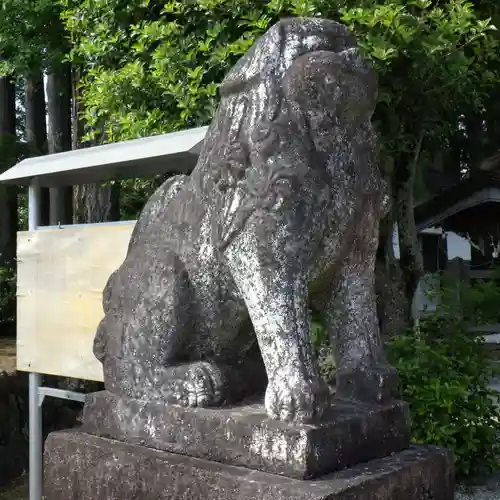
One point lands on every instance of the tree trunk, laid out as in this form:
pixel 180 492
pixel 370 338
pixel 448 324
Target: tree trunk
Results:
pixel 410 256
pixel 7 106
pixel 59 111
pixel 36 129
pixel 8 203
pixel 92 202
pixel 8 194
pixel 96 203
pixel 393 308
pixel 396 282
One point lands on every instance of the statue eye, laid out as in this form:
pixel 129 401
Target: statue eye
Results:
pixel 329 79
pixel 223 186
pixel 238 172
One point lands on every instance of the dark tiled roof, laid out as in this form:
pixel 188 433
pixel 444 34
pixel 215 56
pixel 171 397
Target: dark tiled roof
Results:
pixel 460 192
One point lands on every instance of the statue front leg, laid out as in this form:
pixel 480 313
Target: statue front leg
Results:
pixel 276 298
pixel 363 372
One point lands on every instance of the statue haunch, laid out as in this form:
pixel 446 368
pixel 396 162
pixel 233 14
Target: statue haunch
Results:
pixel 281 211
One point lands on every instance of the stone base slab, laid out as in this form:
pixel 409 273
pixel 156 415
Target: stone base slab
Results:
pixel 79 466
pixel 349 434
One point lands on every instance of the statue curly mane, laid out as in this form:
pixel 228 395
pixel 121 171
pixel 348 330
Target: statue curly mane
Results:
pixel 244 162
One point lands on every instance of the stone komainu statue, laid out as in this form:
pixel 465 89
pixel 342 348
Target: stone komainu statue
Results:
pixel 281 211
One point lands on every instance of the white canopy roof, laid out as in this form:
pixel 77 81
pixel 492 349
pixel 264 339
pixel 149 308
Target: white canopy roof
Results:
pixel 175 152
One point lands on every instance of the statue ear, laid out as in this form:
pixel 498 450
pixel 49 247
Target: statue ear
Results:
pixel 336 84
pixel 313 79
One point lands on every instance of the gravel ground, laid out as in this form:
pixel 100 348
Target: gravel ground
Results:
pixel 7 355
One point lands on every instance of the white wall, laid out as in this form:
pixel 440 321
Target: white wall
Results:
pixel 458 247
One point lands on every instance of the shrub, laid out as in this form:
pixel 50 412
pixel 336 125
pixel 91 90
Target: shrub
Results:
pixel 444 374
pixel 482 299
pixel 322 347
pixel 7 294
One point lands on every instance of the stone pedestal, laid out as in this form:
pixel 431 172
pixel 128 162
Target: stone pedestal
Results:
pixel 145 450
pixel 79 466
pixel 243 435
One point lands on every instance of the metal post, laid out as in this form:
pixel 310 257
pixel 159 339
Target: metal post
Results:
pixel 35 408
pixel 33 206
pixel 35 441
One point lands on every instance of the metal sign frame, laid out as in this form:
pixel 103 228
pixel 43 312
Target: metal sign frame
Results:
pixel 176 152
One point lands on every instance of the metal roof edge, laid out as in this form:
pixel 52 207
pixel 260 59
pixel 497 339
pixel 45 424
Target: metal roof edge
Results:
pixel 108 155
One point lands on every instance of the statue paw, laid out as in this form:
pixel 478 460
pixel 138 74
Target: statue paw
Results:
pixel 296 399
pixel 203 385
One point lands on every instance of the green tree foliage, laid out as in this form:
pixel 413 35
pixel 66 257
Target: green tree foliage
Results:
pixel 152 67
pixel 31 36
pixel 431 58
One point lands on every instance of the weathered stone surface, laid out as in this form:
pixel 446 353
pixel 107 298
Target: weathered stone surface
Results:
pixel 282 210
pixel 83 467
pixel 348 434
